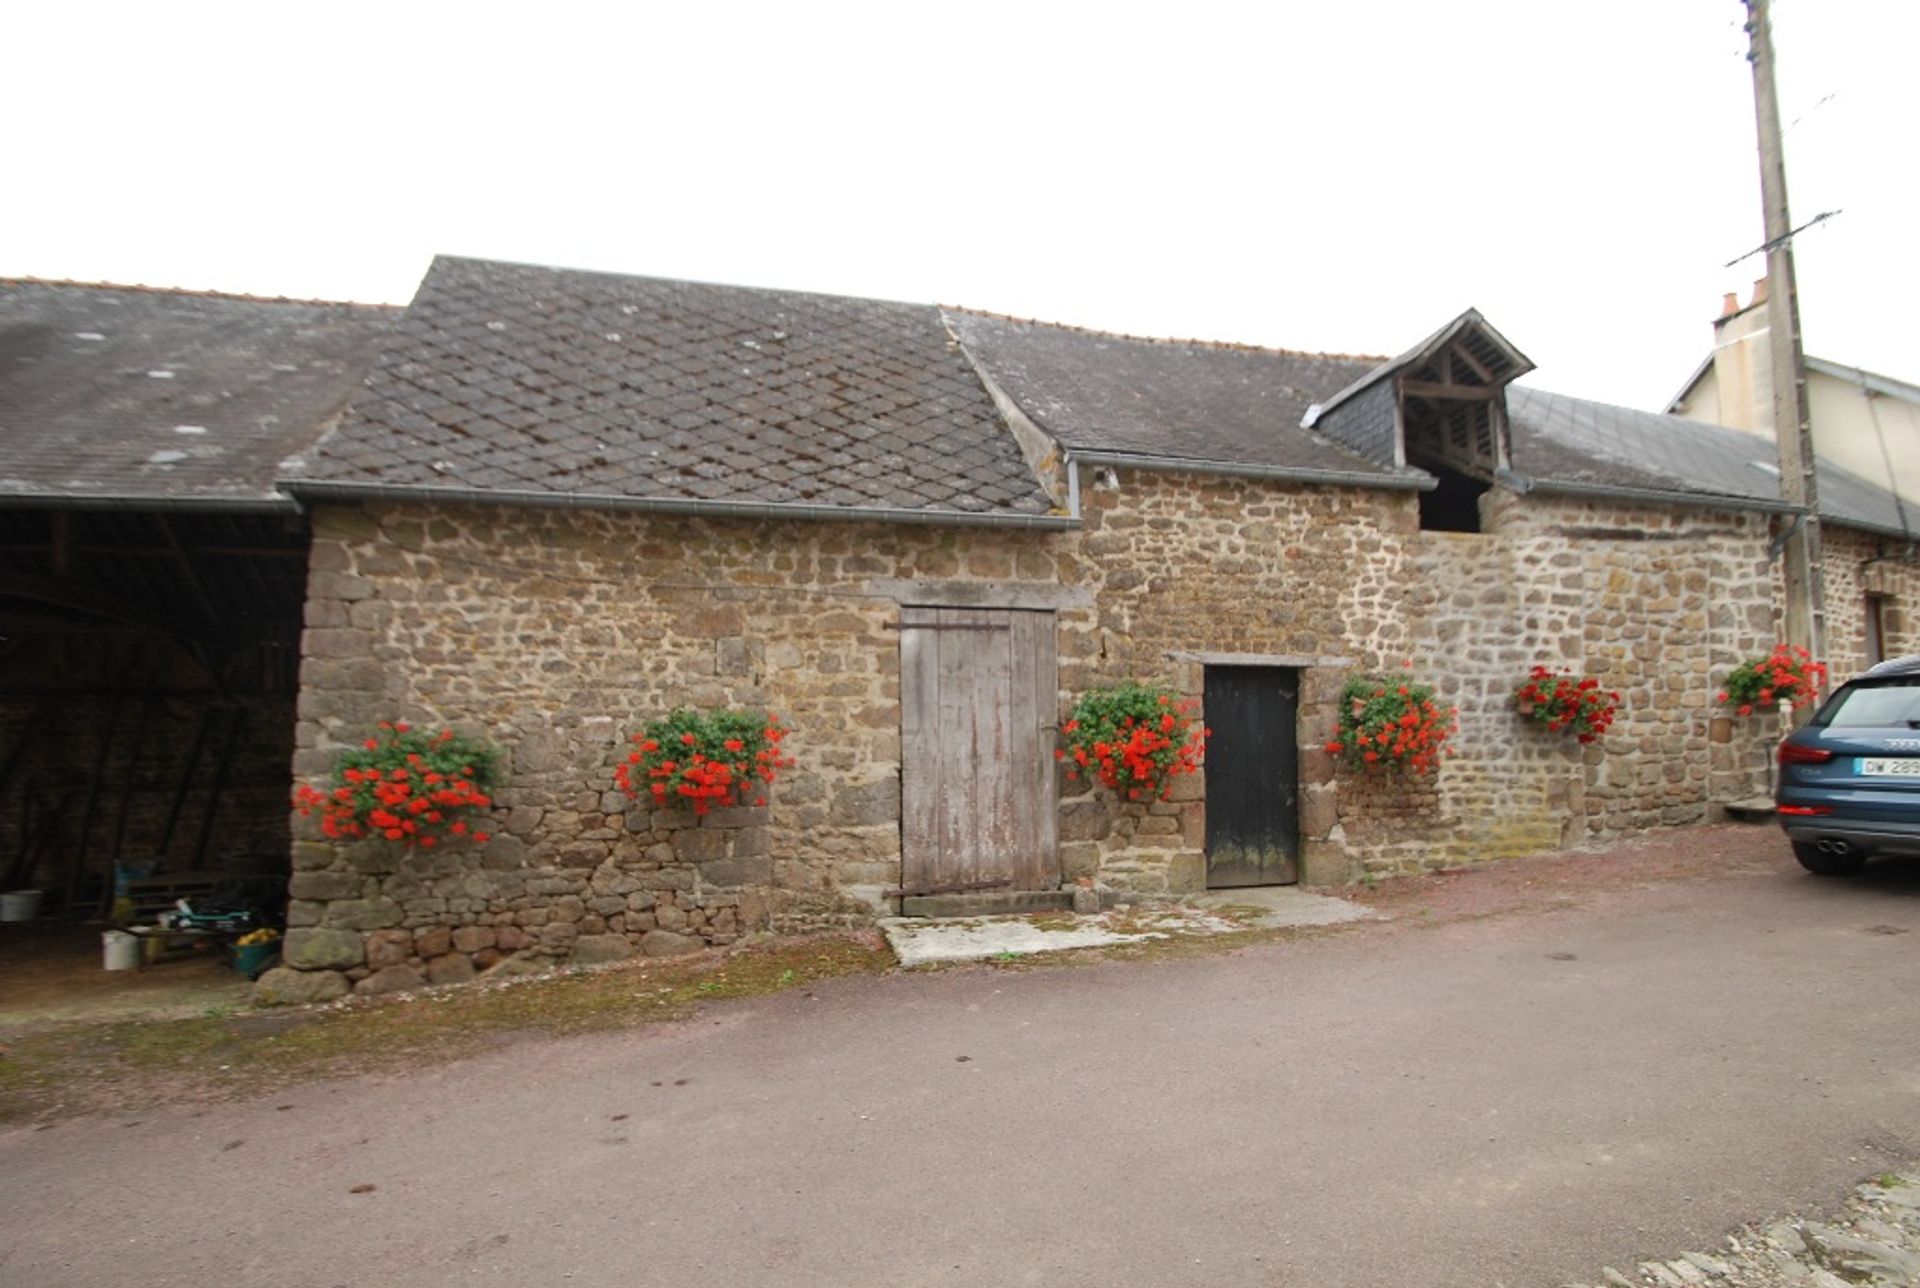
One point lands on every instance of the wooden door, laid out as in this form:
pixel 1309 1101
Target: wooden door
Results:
pixel 1253 776
pixel 978 697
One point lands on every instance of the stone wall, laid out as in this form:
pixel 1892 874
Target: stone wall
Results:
pixel 378 919
pixel 556 634
pixel 1857 564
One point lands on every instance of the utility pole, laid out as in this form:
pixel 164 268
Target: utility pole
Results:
pixel 1792 425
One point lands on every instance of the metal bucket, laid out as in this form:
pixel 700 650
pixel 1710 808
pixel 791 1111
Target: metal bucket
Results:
pixel 120 950
pixel 19 905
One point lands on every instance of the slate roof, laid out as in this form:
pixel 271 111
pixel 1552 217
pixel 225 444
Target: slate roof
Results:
pixel 111 394
pixel 1217 403
pixel 517 382
pixel 544 383
pixel 1557 439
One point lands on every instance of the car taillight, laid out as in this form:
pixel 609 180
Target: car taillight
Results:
pixel 1804 811
pixel 1795 753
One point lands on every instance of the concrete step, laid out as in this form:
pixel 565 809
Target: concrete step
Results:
pixel 1754 809
pixel 985 903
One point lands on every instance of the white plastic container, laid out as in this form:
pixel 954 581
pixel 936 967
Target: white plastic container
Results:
pixel 120 950
pixel 19 905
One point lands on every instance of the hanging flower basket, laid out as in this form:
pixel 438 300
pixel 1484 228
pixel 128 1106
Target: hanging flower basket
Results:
pixel 1134 738
pixel 1392 723
pixel 1566 703
pixel 704 759
pixel 1787 674
pixel 402 785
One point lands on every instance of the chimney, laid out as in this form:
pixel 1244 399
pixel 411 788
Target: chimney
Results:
pixel 1729 305
pixel 1742 370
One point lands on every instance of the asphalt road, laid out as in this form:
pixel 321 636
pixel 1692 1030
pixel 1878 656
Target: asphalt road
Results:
pixel 1512 1100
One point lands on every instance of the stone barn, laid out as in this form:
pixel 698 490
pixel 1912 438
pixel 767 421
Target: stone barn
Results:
pixel 564 503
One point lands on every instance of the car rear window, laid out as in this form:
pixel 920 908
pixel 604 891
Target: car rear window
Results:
pixel 1892 703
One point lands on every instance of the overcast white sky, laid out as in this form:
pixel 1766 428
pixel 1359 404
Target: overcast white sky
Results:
pixel 1309 174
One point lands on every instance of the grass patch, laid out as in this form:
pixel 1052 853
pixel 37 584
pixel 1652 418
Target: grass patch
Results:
pixel 91 1067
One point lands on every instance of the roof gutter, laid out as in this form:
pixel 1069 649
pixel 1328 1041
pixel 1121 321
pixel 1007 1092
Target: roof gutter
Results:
pixel 1290 474
pixel 170 504
pixel 1612 492
pixel 319 490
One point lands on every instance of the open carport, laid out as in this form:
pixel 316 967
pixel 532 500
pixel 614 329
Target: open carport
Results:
pixel 152 581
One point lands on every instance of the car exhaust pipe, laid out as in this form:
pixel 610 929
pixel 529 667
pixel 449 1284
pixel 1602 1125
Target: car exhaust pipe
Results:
pixel 1838 849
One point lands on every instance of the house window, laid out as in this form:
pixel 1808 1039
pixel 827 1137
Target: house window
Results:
pixel 1876 629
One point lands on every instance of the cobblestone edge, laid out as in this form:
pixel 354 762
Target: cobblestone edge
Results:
pixel 1874 1241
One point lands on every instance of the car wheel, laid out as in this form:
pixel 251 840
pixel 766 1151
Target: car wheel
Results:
pixel 1828 865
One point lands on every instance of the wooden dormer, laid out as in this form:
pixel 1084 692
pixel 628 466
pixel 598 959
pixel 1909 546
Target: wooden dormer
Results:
pixel 1439 407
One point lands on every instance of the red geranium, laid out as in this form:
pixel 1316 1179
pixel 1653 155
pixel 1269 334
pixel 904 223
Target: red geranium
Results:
pixel 1384 722
pixel 704 759
pixel 1561 702
pixel 407 787
pixel 1135 738
pixel 1788 674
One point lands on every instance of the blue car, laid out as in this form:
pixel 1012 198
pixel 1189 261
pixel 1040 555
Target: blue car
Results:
pixel 1850 777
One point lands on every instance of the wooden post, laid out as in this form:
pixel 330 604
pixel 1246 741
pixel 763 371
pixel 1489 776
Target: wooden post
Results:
pixel 186 782
pixel 239 718
pixel 86 812
pixel 126 792
pixel 1792 424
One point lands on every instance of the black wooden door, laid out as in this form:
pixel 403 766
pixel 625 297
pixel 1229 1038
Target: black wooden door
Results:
pixel 1253 778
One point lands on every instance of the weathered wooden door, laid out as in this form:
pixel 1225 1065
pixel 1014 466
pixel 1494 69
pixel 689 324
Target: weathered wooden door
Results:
pixel 1253 776
pixel 978 697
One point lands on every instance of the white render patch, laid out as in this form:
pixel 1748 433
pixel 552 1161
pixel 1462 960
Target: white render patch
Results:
pixel 166 457
pixel 162 374
pixel 1267 907
pixel 88 335
pixel 922 941
pixel 189 429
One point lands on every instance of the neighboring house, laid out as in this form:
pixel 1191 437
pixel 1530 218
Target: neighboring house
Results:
pixel 1863 422
pixel 566 502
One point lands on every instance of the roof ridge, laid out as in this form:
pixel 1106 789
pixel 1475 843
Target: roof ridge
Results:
pixel 197 293
pixel 699 283
pixel 1228 345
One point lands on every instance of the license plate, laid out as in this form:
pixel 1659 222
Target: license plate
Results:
pixel 1891 766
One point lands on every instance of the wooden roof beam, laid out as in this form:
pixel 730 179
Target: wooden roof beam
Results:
pixel 64 593
pixel 1465 355
pixel 1448 390
pixel 189 570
